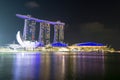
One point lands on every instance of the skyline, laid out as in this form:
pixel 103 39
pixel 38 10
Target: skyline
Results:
pixel 85 22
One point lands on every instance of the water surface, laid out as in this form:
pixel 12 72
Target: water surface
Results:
pixel 59 66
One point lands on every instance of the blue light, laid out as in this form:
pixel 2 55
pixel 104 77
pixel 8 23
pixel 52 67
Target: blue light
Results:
pixel 39 44
pixel 59 44
pixel 90 44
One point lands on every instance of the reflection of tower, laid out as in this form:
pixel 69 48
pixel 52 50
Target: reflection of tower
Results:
pixel 44 34
pixel 58 33
pixel 29 30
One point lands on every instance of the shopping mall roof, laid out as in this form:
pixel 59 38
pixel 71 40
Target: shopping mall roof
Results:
pixel 59 44
pixel 89 44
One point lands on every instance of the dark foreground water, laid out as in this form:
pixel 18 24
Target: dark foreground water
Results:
pixel 57 66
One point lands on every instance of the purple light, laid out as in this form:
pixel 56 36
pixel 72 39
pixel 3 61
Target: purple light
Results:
pixel 38 20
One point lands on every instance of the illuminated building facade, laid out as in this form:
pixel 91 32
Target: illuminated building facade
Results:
pixel 44 36
pixel 58 33
pixel 44 33
pixel 88 46
pixel 29 30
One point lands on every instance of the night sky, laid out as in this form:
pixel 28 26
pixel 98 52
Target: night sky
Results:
pixel 85 21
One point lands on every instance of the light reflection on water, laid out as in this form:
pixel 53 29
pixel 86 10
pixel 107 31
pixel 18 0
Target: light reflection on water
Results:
pixel 50 66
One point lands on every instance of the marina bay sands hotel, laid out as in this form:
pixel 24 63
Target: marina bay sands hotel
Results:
pixel 29 30
pixel 50 35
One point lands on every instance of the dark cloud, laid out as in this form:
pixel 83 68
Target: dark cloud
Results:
pixel 93 27
pixel 32 4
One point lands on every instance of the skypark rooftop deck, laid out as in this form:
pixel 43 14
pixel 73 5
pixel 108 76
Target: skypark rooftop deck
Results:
pixel 38 20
